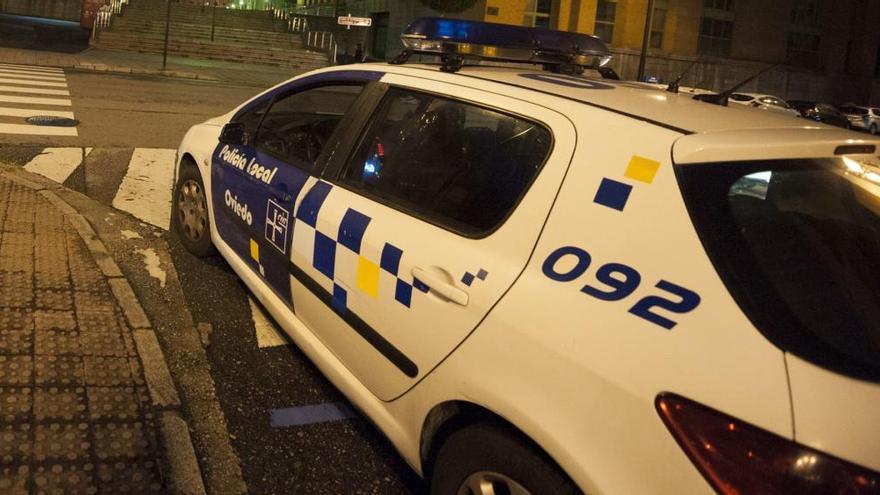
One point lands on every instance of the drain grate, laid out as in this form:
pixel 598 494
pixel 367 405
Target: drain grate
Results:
pixel 52 121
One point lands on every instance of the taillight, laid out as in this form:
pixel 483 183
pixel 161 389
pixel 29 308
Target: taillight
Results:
pixel 738 458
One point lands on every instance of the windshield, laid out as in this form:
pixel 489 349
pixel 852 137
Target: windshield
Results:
pixel 854 110
pixel 797 243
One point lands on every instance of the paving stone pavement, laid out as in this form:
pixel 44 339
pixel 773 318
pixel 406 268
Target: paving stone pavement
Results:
pixel 75 410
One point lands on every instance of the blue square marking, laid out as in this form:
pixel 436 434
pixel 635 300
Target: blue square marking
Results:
pixel 312 202
pixel 403 293
pixel 351 230
pixel 340 299
pixel 390 261
pixel 612 194
pixel 418 284
pixel 325 254
pixel 482 274
pixel 467 279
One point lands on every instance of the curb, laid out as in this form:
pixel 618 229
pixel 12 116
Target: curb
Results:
pixel 185 476
pixel 118 69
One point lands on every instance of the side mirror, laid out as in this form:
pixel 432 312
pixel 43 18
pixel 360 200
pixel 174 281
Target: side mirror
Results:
pixel 234 133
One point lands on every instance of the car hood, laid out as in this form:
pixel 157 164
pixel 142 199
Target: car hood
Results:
pixel 835 414
pixel 218 121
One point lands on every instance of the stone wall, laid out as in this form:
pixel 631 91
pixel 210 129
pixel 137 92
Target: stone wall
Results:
pixel 68 10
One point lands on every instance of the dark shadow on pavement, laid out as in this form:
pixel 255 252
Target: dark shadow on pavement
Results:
pixel 36 33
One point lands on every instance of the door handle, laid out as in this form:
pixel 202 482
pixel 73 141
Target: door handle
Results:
pixel 441 286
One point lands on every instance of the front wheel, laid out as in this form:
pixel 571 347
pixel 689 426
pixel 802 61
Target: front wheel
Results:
pixel 190 213
pixel 486 459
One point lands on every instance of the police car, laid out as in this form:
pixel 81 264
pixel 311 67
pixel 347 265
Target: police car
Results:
pixel 538 281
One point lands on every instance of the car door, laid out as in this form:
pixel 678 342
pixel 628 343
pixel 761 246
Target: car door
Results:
pixel 410 239
pixel 256 184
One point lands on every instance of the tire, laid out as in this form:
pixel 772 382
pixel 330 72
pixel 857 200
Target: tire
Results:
pixel 873 129
pixel 493 455
pixel 189 212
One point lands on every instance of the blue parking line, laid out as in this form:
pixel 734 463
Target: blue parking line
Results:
pixel 306 415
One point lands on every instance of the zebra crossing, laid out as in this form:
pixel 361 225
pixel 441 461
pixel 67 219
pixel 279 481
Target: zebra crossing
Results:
pixel 138 181
pixel 31 91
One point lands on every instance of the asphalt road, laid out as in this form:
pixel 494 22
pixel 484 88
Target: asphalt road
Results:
pixel 132 111
pixel 119 114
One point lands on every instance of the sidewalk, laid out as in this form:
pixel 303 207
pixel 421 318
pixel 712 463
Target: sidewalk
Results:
pixel 147 63
pixel 87 404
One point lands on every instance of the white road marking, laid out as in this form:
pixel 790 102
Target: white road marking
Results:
pixel 54 70
pixel 145 191
pixel 267 335
pixel 33 130
pixel 36 75
pixel 55 163
pixel 32 112
pixel 153 265
pixel 30 100
pixel 30 82
pixel 37 91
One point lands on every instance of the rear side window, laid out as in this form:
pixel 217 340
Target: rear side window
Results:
pixel 458 165
pixel 298 126
pixel 797 242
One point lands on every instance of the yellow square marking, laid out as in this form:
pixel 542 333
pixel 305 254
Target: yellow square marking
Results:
pixel 368 277
pixel 642 169
pixel 255 251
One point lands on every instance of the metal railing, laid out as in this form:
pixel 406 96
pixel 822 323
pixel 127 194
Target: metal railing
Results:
pixel 103 16
pixel 293 23
pixel 323 41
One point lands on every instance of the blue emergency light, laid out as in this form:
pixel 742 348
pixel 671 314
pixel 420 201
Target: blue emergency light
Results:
pixel 454 40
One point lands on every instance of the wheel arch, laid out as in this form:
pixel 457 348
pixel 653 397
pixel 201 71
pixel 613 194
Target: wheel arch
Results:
pixel 448 417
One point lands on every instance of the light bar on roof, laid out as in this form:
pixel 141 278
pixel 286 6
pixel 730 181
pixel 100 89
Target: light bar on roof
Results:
pixel 485 40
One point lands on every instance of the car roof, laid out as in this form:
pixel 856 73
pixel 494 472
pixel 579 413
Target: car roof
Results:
pixel 644 102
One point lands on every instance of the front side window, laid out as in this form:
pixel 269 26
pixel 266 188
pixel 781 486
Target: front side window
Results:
pixel 298 126
pixel 455 164
pixel 797 243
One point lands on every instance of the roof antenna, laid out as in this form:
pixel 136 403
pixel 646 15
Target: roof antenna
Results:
pixel 722 97
pixel 673 86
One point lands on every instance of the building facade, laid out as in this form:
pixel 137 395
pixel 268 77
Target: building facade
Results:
pixel 819 49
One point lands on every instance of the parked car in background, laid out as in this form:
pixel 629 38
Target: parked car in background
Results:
pixel 821 112
pixel 764 102
pixel 862 118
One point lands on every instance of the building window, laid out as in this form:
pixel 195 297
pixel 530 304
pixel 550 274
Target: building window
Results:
pixel 802 45
pixel 802 49
pixel 715 37
pixel 718 5
pixel 658 25
pixel 605 13
pixel 716 27
pixel 538 13
pixel 805 12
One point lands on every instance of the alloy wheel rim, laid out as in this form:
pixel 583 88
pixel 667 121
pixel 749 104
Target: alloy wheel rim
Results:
pixel 192 210
pixel 491 483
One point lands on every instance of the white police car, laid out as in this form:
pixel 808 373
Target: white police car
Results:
pixel 538 282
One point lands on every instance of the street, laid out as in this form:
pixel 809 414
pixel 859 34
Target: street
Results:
pixel 290 429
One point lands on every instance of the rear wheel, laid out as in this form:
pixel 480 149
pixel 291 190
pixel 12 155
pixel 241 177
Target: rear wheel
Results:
pixel 190 212
pixel 485 459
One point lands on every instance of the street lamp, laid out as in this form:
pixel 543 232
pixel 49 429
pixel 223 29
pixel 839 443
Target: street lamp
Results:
pixel 649 19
